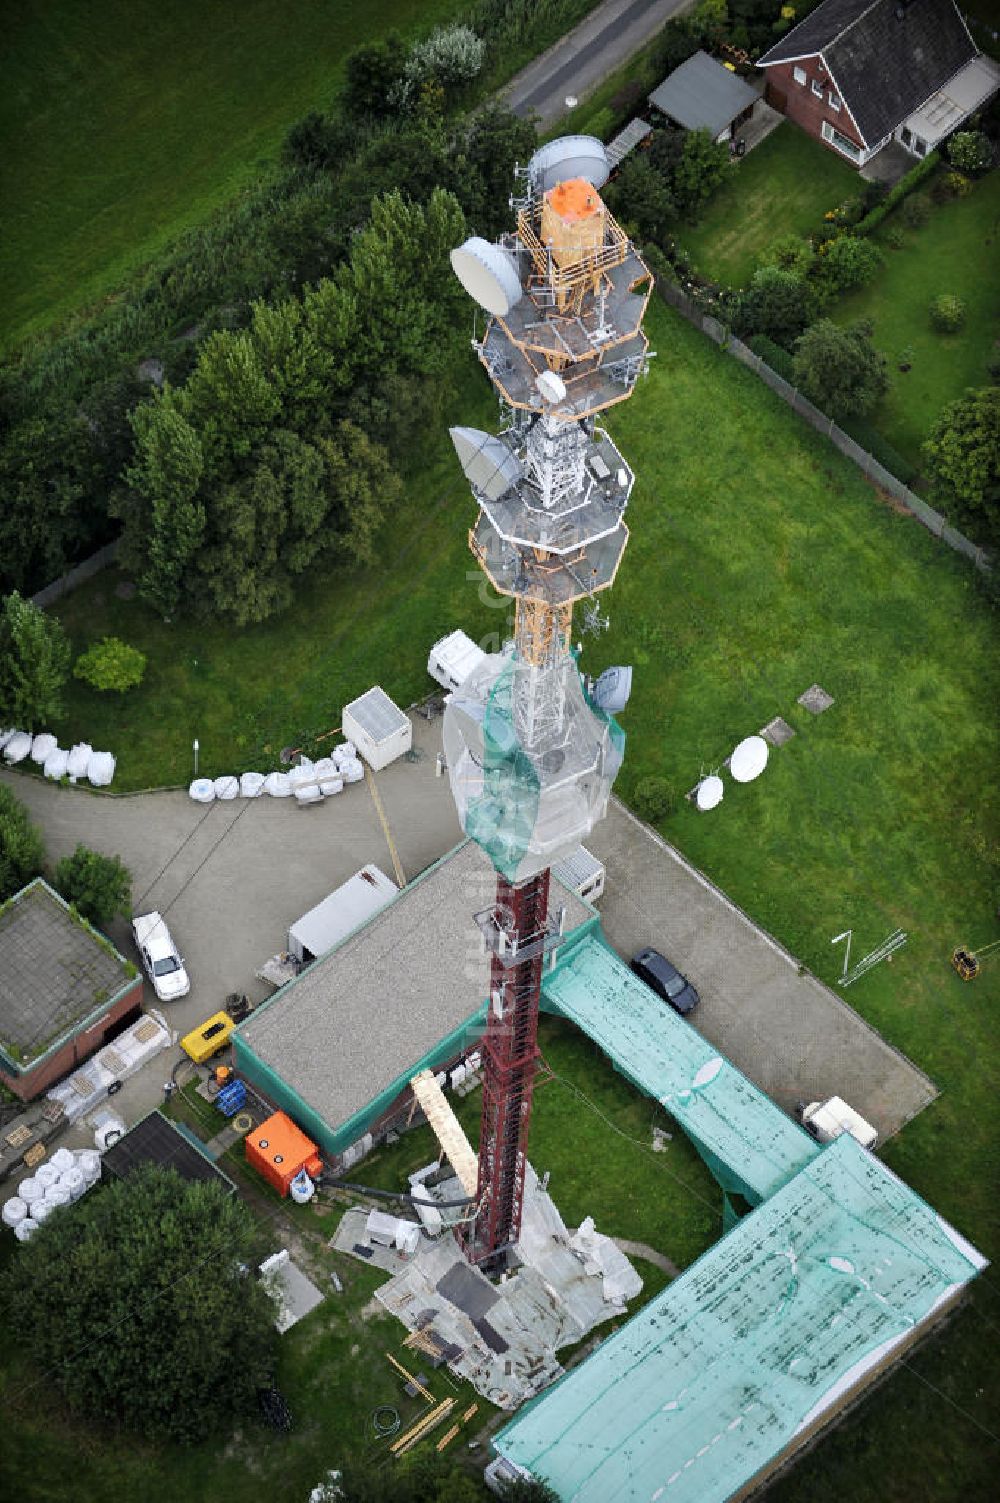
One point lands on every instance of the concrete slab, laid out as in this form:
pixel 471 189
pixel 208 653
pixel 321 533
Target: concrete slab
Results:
pixel 777 731
pixel 815 699
pixel 791 1035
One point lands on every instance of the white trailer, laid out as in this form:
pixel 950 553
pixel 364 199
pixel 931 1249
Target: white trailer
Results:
pixel 826 1120
pixel 378 727
pixel 344 910
pixel 453 658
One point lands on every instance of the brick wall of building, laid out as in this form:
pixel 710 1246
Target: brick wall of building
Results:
pixel 34 1082
pixel 800 104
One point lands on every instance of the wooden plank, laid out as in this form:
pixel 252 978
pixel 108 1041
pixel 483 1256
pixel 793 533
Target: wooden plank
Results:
pixel 447 1129
pixel 410 1378
pixel 447 1437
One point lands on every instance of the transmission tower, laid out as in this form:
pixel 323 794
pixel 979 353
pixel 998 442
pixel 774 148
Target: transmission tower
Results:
pixel 531 750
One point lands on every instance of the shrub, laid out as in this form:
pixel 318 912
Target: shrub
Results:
pixel 777 303
pixel 111 664
pixel 654 798
pixel 906 185
pixel 880 449
pixel 947 313
pixel 915 211
pixel 970 151
pixel 894 237
pixel 839 369
pixel 993 361
pixel 791 253
pixel 951 185
pixel 97 886
pixel 773 355
pixel 21 850
pixel 451 56
pixel 848 262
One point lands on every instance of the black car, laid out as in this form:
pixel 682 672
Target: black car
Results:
pixel 666 980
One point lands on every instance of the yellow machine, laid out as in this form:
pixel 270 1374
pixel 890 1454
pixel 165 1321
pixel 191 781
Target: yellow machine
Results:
pixel 208 1038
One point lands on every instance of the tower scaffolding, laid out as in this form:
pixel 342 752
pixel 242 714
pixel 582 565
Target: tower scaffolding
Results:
pixel 530 757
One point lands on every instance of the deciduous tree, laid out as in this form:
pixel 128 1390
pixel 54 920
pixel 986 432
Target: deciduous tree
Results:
pixel 97 886
pixel 962 459
pixel 839 368
pixel 34 664
pixel 133 1305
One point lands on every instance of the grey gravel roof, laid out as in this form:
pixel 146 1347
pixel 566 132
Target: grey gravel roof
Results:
pixel 369 1011
pixel 889 61
pixel 702 94
pixel 54 971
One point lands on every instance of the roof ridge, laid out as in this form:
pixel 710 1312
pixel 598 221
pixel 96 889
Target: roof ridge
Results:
pixel 851 24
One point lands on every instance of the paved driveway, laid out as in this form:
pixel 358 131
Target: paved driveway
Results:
pixel 584 58
pixel 231 877
pixel 794 1037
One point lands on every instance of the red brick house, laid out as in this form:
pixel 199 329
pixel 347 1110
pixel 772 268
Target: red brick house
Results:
pixel 859 73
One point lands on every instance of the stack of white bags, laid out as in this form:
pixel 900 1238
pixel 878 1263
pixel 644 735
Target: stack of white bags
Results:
pixel 307 783
pixel 59 1182
pixel 81 761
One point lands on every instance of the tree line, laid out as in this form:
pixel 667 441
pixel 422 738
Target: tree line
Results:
pixel 227 312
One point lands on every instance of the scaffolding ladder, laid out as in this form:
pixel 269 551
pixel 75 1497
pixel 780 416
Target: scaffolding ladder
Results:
pixel 447 1129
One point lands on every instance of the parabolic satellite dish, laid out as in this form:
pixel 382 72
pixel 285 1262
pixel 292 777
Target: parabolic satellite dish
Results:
pixel 488 273
pixel 749 759
pixel 551 386
pixel 710 793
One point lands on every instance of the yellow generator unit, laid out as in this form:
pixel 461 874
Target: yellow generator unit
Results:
pixel 207 1039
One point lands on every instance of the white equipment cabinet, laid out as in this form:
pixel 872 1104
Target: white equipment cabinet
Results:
pixel 378 727
pixel 453 658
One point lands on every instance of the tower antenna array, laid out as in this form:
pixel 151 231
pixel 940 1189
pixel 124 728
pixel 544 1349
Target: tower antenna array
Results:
pixel 531 751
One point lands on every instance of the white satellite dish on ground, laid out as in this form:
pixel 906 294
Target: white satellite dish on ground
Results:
pixel 551 386
pixel 488 273
pixel 749 759
pixel 710 793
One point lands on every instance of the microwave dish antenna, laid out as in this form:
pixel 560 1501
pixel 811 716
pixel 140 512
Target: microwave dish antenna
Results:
pixel 568 157
pixel 749 759
pixel 488 273
pixel 551 386
pixel 711 791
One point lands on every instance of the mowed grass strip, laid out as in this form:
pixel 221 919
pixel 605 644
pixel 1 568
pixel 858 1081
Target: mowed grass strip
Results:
pixel 783 187
pixel 123 124
pixel 957 251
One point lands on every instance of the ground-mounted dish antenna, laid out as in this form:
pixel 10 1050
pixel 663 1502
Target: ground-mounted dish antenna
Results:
pixel 568 157
pixel 488 273
pixel 711 791
pixel 749 759
pixel 551 386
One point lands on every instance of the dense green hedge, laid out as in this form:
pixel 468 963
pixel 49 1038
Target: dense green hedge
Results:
pixel 879 448
pixel 903 189
pixel 773 355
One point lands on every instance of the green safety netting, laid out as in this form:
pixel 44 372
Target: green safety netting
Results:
pixel 762 1339
pixel 531 761
pixel 748 1143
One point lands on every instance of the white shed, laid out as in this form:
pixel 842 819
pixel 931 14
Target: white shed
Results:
pixel 378 727
pixel 346 909
pixel 582 873
pixel 453 658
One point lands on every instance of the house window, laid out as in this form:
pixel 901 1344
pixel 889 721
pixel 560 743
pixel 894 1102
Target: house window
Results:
pixel 920 147
pixel 840 143
pixel 834 101
pixel 817 88
pixel 799 74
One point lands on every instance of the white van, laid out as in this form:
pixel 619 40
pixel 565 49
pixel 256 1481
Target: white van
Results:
pixel 826 1120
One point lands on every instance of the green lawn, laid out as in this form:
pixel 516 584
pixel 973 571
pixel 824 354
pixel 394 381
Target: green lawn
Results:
pixel 784 186
pixel 123 124
pixel 958 251
pixel 760 562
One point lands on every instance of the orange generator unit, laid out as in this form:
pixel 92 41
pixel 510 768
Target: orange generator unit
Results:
pixel 279 1151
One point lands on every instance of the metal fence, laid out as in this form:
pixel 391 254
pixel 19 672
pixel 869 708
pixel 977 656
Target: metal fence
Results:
pixel 867 463
pixel 69 581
